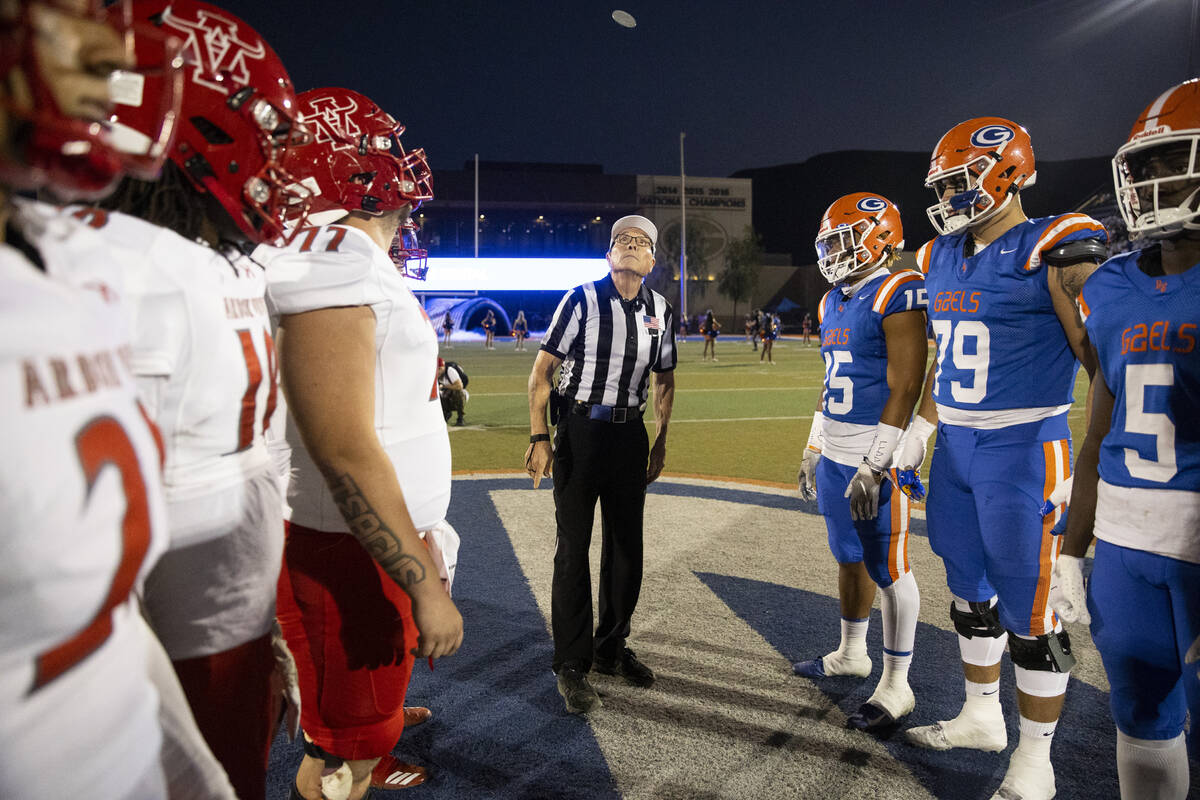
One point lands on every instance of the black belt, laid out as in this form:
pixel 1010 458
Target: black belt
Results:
pixel 603 413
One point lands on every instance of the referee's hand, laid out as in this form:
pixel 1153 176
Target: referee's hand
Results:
pixel 539 459
pixel 658 458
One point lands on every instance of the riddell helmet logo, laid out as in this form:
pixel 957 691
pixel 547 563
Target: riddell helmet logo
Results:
pixel 331 122
pixel 212 47
pixel 992 135
pixel 1155 131
pixel 871 205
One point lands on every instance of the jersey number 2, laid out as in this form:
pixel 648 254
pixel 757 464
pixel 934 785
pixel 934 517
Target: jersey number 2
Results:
pixel 102 443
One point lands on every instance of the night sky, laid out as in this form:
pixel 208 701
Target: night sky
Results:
pixel 753 84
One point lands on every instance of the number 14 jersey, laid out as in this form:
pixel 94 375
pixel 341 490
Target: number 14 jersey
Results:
pixel 1000 343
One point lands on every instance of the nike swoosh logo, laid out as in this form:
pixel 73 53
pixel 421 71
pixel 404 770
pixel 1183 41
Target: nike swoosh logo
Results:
pixel 993 691
pixel 1006 252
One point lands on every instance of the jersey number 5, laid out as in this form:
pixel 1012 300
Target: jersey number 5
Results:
pixel 1152 423
pixel 102 443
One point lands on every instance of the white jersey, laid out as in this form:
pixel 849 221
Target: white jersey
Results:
pixel 337 266
pixel 83 520
pixel 205 360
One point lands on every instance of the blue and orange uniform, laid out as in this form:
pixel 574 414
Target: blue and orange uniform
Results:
pixel 1144 597
pixel 855 393
pixel 1003 385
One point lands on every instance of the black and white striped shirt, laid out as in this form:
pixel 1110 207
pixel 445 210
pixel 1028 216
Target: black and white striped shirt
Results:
pixel 609 345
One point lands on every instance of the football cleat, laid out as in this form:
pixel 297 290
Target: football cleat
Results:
pixel 960 732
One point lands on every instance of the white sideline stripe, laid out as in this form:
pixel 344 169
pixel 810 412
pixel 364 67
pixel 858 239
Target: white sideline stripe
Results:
pixel 677 391
pixel 647 421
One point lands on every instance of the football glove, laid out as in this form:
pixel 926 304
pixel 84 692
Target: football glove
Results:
pixel 1060 495
pixel 863 492
pixel 909 481
pixel 1068 597
pixel 807 477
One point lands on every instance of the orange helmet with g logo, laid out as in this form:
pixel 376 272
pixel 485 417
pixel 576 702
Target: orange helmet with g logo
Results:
pixel 858 232
pixel 1157 171
pixel 976 169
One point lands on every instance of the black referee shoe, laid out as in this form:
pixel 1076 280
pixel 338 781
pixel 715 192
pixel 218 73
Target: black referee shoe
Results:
pixel 628 667
pixel 578 693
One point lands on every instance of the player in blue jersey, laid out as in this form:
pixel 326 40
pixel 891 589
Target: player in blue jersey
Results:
pixel 1001 292
pixel 1137 488
pixel 874 345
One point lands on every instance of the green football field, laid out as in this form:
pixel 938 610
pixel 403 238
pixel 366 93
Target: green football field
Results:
pixel 735 418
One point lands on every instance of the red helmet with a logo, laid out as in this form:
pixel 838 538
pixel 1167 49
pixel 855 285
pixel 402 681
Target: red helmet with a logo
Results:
pixel 66 69
pixel 238 116
pixel 859 232
pixel 355 162
pixel 1157 171
pixel 976 169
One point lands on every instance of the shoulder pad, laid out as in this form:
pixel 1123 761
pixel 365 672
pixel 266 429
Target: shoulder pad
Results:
pixel 1064 255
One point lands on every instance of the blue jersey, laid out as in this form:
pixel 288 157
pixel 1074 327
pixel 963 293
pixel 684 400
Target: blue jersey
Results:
pixel 1145 332
pixel 853 345
pixel 1000 343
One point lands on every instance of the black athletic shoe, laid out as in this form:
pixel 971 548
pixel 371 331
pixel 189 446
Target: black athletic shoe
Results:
pixel 628 667
pixel 578 693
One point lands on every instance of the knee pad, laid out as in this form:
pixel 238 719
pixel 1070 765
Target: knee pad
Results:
pixel 981 620
pixel 1049 652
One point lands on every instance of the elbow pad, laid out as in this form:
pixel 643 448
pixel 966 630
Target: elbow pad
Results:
pixel 1064 255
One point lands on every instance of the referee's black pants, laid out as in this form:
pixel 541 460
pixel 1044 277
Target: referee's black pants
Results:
pixel 606 461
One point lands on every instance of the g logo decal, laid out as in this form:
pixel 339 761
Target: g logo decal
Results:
pixel 871 205
pixel 992 135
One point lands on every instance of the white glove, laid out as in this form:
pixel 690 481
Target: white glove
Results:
pixel 1068 597
pixel 807 477
pixel 911 453
pixel 863 492
pixel 288 681
pixel 1060 495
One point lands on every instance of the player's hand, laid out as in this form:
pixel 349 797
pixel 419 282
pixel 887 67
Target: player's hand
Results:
pixel 539 459
pixel 863 492
pixel 1060 495
pixel 1068 597
pixel 286 680
pixel 658 458
pixel 909 481
pixel 439 622
pixel 911 452
pixel 807 477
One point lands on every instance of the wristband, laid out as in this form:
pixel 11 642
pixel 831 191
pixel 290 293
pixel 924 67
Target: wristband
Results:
pixel 539 437
pixel 921 427
pixel 816 434
pixel 879 457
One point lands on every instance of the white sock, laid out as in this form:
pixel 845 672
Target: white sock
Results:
pixel 1152 769
pixel 900 604
pixel 1036 738
pixel 854 637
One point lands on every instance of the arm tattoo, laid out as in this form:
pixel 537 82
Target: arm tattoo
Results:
pixel 380 542
pixel 1071 280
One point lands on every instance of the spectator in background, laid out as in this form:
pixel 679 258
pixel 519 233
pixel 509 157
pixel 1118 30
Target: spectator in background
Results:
pixel 806 328
pixel 447 327
pixel 452 389
pixel 520 330
pixel 710 328
pixel 489 330
pixel 683 329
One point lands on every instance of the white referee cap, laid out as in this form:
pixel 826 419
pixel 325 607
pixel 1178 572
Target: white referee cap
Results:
pixel 635 221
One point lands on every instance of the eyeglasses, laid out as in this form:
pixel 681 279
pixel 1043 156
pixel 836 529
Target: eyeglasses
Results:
pixel 640 241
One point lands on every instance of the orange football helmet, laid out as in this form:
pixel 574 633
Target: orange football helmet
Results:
pixel 976 169
pixel 1157 171
pixel 858 233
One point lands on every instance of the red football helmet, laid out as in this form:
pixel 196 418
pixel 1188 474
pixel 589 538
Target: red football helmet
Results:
pixel 1157 171
pixel 237 118
pixel 355 162
pixel 976 169
pixel 51 54
pixel 858 233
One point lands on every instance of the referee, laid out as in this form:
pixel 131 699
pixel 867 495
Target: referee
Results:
pixel 608 336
